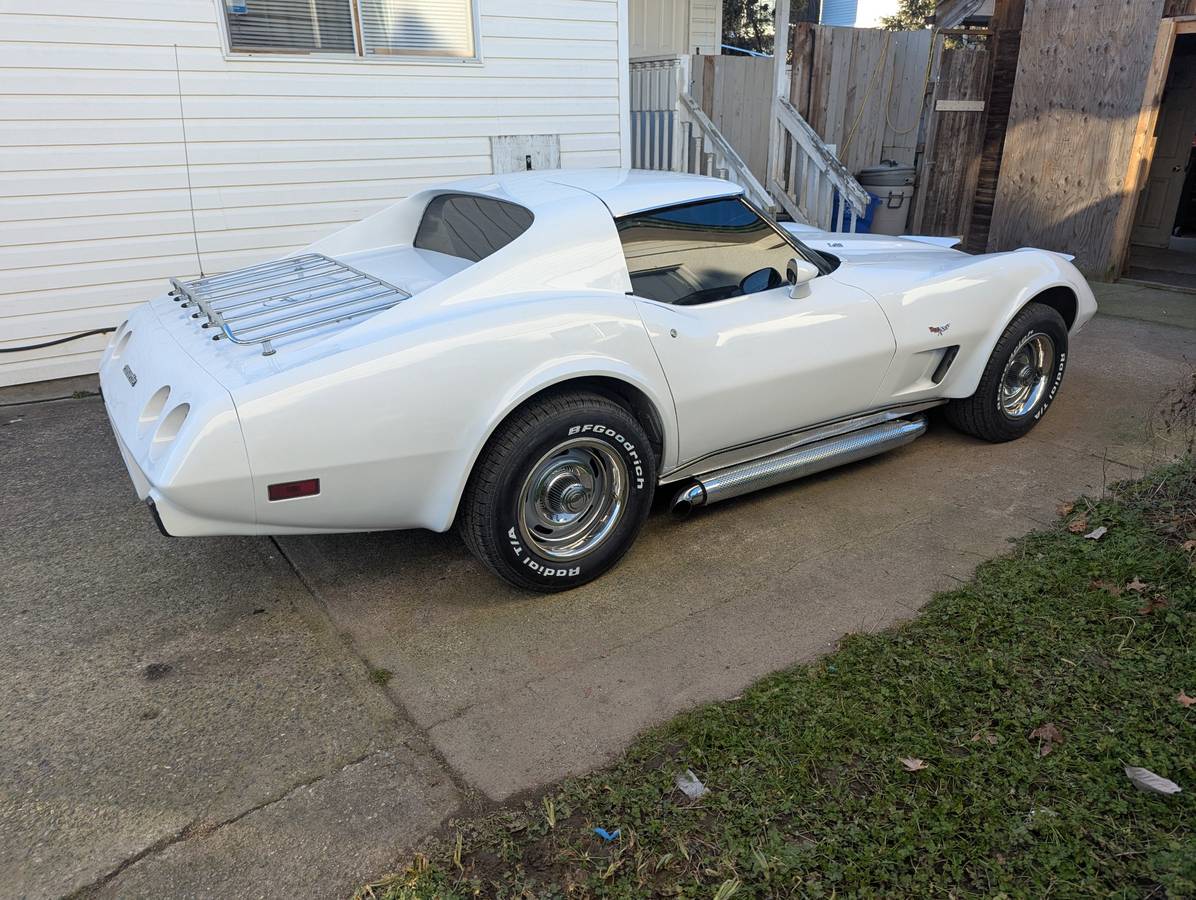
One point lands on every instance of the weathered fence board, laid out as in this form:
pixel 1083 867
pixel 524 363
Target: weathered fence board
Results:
pixel 951 164
pixel 735 93
pixel 861 89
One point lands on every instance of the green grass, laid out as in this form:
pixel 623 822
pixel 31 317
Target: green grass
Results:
pixel 381 677
pixel 807 794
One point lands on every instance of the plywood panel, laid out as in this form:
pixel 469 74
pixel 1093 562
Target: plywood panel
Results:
pixel 1081 78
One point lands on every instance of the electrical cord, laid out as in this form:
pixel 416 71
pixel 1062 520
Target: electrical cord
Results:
pixel 73 337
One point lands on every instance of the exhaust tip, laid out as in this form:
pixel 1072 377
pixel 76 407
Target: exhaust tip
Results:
pixel 688 499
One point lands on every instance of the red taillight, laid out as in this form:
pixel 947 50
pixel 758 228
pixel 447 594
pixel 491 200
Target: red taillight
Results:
pixel 289 490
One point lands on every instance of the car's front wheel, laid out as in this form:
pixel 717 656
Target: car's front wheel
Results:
pixel 560 492
pixel 1020 380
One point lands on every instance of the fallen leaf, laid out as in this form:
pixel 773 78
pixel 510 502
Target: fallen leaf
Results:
pixel 727 889
pixel 1190 546
pixel 984 736
pixel 913 764
pixel 1065 510
pixel 1184 700
pixel 1047 735
pixel 1146 780
pixel 1097 533
pixel 1079 526
pixel 1108 587
pixel 1158 601
pixel 1137 585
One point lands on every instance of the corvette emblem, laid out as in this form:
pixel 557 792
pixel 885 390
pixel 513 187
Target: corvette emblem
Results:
pixel 939 329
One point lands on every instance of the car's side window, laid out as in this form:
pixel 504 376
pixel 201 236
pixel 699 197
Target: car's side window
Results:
pixel 470 227
pixel 702 252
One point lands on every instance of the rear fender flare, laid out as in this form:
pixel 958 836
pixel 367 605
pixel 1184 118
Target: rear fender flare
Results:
pixel 560 373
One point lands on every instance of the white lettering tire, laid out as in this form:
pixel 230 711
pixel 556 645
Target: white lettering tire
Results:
pixel 559 492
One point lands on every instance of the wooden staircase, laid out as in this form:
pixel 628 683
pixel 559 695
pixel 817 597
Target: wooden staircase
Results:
pixel 670 132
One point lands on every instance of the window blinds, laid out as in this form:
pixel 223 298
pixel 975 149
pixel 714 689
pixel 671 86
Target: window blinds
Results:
pixel 432 27
pixel 303 25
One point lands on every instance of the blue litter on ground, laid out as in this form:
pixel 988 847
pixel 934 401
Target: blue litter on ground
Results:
pixel 607 836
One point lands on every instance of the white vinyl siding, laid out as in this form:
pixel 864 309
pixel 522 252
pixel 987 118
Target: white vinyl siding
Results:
pixel 95 210
pixel 675 27
pixel 706 26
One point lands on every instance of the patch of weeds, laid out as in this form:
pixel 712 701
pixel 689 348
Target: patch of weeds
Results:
pixel 380 677
pixel 978 750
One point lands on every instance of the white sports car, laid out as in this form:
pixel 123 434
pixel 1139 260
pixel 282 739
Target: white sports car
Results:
pixel 533 356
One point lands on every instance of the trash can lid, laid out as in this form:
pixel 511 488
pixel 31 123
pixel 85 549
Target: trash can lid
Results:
pixel 887 174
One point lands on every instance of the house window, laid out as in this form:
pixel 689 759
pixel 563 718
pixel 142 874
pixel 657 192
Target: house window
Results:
pixel 360 27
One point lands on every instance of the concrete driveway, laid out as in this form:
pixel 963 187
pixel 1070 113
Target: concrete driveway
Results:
pixel 206 718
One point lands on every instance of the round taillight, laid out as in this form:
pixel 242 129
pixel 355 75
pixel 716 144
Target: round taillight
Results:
pixel 122 343
pixel 155 405
pixel 168 429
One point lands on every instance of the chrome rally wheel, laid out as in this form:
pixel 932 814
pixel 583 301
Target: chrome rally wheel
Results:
pixel 1027 375
pixel 573 499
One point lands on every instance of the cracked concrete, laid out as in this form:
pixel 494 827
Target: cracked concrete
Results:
pixel 194 717
pixel 156 690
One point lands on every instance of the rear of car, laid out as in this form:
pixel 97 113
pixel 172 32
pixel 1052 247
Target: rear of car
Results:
pixel 266 400
pixel 177 430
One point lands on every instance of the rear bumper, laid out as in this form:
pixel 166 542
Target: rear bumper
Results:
pixel 177 431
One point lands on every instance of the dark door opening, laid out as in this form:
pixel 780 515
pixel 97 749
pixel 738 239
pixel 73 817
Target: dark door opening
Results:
pixel 1163 248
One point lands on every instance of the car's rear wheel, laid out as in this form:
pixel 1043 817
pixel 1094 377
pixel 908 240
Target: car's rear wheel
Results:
pixel 560 492
pixel 1020 380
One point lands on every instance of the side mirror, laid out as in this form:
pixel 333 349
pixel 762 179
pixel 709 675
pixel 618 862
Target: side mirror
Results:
pixel 800 272
pixel 761 280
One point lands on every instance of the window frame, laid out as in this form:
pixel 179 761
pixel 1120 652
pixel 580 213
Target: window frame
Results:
pixel 806 253
pixel 358 56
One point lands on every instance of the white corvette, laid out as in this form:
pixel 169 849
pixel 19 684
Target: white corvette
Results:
pixel 533 356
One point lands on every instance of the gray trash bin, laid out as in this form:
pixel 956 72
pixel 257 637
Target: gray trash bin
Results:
pixel 893 185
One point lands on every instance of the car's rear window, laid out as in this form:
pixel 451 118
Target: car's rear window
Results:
pixel 470 227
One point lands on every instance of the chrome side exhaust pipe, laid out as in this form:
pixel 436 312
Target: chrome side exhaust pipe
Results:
pixel 796 463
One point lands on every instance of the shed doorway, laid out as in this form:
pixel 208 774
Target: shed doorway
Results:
pixel 1163 241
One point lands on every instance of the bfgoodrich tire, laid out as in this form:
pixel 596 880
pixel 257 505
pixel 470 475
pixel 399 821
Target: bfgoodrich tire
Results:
pixel 1020 381
pixel 560 492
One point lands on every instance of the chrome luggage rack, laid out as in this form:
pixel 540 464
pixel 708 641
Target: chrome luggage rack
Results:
pixel 260 304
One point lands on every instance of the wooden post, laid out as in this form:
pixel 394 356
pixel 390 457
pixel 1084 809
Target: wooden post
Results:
pixel 780 88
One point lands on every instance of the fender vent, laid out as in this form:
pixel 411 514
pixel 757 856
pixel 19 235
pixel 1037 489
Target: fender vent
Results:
pixel 260 304
pixel 940 371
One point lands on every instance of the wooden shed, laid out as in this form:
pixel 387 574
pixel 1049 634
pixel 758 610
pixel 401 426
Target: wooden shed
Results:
pixel 1077 136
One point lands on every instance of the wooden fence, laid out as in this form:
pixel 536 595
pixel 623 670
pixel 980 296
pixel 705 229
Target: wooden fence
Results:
pixel 949 170
pixel 735 93
pixel 861 89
